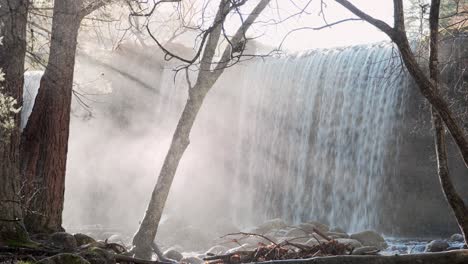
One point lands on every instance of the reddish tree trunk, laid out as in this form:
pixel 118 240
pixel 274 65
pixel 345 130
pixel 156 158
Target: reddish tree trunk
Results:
pixel 44 142
pixel 13 19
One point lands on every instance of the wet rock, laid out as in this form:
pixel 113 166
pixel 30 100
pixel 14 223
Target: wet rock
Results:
pixel 217 250
pixel 64 258
pixel 63 240
pixel 97 256
pixel 437 246
pixel 296 232
pixel 82 239
pixel 239 248
pixel 351 242
pixel 270 225
pixel 173 254
pixel 335 235
pixel 366 250
pixel 192 260
pixel 370 238
pixel 321 227
pixel 457 238
pixel 337 230
pixel 115 239
pixel 313 242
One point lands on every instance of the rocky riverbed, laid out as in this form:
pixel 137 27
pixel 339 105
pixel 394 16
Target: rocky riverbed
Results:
pixel 190 244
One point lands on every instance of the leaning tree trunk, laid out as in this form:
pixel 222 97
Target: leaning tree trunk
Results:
pixel 13 19
pixel 454 200
pixel 147 232
pixel 206 78
pixel 44 142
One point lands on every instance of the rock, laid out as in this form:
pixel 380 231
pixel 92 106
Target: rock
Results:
pixel 351 242
pixel 63 240
pixel 337 230
pixel 97 255
pixel 64 258
pixel 365 250
pixel 457 238
pixel 192 260
pixel 173 254
pixel 321 227
pixel 437 246
pixel 296 232
pixel 217 250
pixel 243 247
pixel 370 238
pixel 270 225
pixel 337 235
pixel 115 239
pixel 82 239
pixel 314 242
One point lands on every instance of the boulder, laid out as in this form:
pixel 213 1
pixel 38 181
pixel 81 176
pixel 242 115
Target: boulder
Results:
pixel 115 239
pixel 63 240
pixel 64 258
pixel 97 255
pixel 296 232
pixel 353 243
pixel 321 227
pixel 456 238
pixel 217 250
pixel 309 227
pixel 243 247
pixel 82 239
pixel 365 250
pixel 270 225
pixel 313 242
pixel 337 230
pixel 173 254
pixel 192 260
pixel 437 246
pixel 335 235
pixel 370 238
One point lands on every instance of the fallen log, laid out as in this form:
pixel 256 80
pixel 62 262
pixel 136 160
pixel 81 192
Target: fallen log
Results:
pixel 449 257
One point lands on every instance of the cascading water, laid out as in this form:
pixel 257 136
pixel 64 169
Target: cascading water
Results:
pixel 305 137
pixel 319 135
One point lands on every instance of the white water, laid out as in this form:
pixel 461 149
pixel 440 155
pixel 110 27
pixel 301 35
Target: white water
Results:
pixel 318 133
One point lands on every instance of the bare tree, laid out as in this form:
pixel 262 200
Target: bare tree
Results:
pixel 429 87
pixel 44 142
pixel 209 71
pixel 13 19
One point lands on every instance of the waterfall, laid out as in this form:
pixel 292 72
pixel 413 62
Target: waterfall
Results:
pixel 311 136
pixel 318 135
pixel 32 81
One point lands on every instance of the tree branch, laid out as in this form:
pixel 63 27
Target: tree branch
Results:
pixel 376 22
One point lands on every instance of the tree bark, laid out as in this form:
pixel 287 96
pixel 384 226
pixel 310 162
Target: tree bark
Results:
pixel 452 257
pixel 44 142
pixel 13 19
pixel 455 202
pixel 206 78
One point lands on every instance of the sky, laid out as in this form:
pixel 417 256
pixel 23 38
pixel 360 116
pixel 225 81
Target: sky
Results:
pixel 345 34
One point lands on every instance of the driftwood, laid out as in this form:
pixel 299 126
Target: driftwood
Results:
pixel 449 257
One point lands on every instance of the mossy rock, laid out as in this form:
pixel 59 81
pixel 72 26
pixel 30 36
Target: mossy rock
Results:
pixel 65 258
pixel 82 239
pixel 97 255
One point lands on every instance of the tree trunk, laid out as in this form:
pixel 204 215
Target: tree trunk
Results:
pixel 13 19
pixel 44 141
pixel 143 239
pixel 454 200
pixel 451 257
